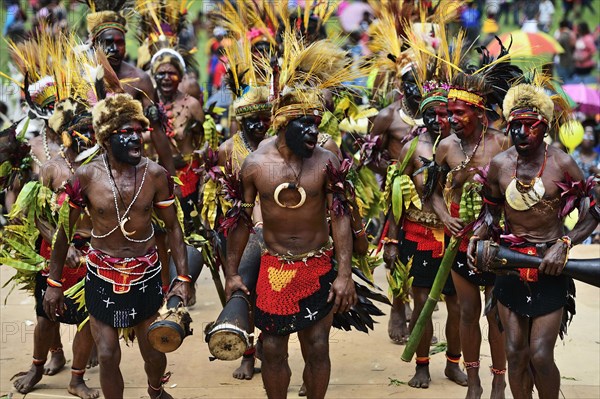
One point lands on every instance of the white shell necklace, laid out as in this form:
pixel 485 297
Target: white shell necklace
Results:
pixel 125 218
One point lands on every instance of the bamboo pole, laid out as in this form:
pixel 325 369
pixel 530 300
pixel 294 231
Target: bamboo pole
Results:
pixel 432 299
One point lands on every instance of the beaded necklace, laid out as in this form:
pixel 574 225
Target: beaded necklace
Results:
pixel 124 219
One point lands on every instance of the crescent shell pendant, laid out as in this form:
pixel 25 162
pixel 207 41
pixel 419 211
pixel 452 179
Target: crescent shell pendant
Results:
pixel 524 201
pixel 284 186
pixel 122 226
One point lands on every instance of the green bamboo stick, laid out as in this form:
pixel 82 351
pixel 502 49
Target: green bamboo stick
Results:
pixel 432 299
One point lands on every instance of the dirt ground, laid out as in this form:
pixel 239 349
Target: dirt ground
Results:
pixel 363 366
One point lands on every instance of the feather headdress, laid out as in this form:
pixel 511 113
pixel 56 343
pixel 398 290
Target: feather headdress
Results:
pixel 105 14
pixel 57 67
pixel 486 87
pixel 248 76
pixel 304 72
pixel 532 98
pixel 162 25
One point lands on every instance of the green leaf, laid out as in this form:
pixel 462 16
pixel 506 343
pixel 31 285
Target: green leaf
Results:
pixel 397 199
pixel 5 168
pixel 24 250
pixel 20 265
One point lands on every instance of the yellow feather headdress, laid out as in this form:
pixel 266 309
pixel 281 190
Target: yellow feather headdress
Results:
pixel 248 75
pixel 303 74
pixel 161 23
pixel 105 14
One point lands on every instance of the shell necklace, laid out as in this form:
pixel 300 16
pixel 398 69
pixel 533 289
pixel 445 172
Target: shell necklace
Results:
pixel 523 196
pixel 125 218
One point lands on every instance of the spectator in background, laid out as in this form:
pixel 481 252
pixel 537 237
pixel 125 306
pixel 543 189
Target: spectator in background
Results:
pixel 530 24
pixel 585 49
pixel 469 19
pixel 546 12
pixel 567 7
pixel 489 28
pixel 504 9
pixel 564 62
pixel 585 155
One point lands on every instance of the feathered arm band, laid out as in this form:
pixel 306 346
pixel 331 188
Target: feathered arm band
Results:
pixel 340 187
pixel 234 193
pixel 576 194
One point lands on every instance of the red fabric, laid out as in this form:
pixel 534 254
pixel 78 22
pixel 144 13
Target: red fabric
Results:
pixel 70 276
pixel 424 237
pixel 527 274
pixel 189 178
pixel 135 268
pixel 301 280
pixel 455 213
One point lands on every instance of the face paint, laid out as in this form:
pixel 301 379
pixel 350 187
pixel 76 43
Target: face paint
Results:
pixel 411 92
pixel 301 135
pixel 464 119
pixel 167 78
pixel 527 134
pixel 256 126
pixel 126 146
pixel 112 41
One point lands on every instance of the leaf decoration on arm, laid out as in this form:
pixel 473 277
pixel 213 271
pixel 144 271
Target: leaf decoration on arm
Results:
pixel 575 194
pixel 234 193
pixel 340 187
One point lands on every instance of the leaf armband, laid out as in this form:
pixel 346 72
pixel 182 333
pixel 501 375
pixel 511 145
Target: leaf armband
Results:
pixel 234 194
pixel 576 195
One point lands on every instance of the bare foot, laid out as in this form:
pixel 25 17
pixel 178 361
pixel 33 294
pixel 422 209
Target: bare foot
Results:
pixel 302 391
pixel 421 378
pixel 474 392
pixel 246 369
pixel 397 327
pixel 28 379
pixel 77 387
pixel 498 386
pixel 56 363
pixel 93 359
pixel 161 394
pixel 454 373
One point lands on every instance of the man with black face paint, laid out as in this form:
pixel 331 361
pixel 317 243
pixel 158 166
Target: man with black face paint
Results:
pixel 118 189
pixel 523 184
pixel 252 111
pixel 473 144
pixel 422 239
pixel 107 29
pixel 298 290
pixel 396 121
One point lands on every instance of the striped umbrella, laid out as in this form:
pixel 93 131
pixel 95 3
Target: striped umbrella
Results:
pixel 527 44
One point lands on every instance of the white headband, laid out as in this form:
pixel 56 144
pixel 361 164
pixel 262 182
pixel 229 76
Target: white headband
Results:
pixel 170 52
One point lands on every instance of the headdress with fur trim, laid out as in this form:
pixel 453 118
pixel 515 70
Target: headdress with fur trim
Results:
pixel 162 24
pixel 529 99
pixel 304 73
pixel 105 14
pixel 113 112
